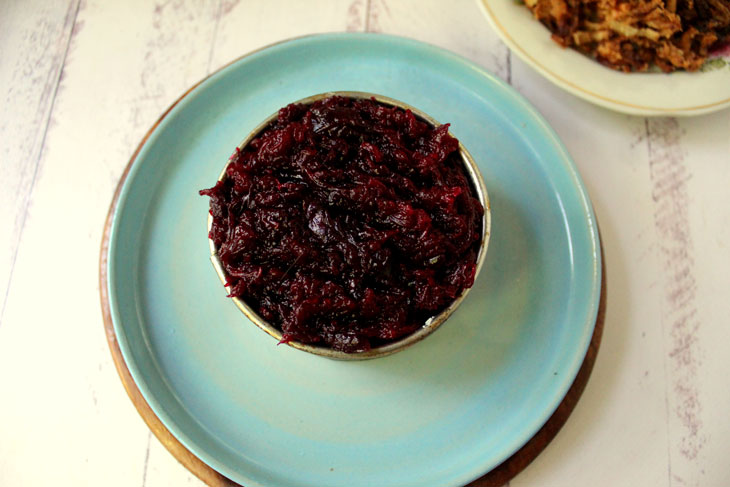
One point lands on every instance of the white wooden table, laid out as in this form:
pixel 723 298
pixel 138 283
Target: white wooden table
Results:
pixel 81 81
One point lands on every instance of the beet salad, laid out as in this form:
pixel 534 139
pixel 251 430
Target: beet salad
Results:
pixel 347 223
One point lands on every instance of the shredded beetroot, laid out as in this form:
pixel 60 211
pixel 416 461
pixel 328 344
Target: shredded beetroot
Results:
pixel 347 223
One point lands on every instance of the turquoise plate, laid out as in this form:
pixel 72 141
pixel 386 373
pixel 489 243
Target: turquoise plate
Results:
pixel 440 413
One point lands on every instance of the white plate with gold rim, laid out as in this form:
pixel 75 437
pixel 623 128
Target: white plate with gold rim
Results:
pixel 651 93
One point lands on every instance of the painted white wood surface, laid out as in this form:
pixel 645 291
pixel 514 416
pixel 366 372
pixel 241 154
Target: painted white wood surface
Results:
pixel 82 81
pixel 34 39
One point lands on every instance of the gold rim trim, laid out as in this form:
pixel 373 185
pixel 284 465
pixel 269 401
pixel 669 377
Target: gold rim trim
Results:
pixel 477 183
pixel 559 80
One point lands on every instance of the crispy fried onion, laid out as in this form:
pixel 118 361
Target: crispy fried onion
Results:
pixel 632 35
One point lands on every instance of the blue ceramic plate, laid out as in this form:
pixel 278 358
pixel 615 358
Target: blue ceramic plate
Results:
pixel 440 413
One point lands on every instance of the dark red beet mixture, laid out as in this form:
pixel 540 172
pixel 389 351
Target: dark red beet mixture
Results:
pixel 347 223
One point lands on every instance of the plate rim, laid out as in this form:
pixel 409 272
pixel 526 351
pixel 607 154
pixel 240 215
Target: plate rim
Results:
pixel 496 477
pixel 585 94
pixel 596 296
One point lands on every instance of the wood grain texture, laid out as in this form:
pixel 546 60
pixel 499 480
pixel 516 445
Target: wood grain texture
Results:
pixel 34 39
pixel 708 219
pixel 446 24
pixel 680 317
pixel 125 63
pixel 252 25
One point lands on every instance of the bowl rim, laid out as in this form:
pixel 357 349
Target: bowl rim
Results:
pixel 432 323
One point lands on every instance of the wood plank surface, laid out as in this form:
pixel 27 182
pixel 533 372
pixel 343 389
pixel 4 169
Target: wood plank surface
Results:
pixel 82 81
pixel 125 63
pixel 34 40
